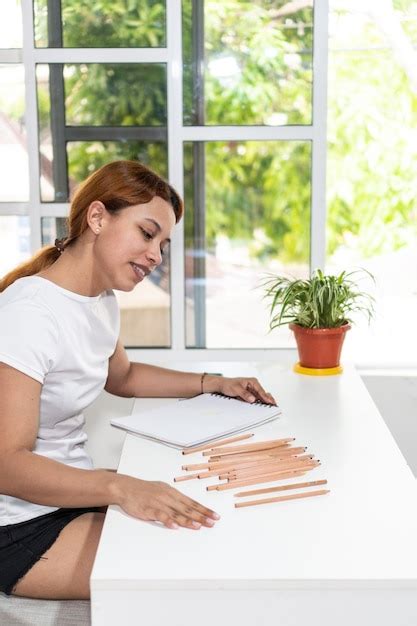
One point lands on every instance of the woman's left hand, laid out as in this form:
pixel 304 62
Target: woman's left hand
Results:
pixel 247 389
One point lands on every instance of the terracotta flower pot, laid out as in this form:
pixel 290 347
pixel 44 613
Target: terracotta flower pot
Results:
pixel 319 347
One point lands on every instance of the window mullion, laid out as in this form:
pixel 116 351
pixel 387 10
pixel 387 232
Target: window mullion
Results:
pixel 31 124
pixel 318 177
pixel 175 167
pixel 100 55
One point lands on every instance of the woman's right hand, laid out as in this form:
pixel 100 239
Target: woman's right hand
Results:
pixel 158 501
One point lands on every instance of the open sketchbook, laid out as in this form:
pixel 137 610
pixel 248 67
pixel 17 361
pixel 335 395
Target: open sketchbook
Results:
pixel 190 422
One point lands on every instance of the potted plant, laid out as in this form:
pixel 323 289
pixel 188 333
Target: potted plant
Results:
pixel 318 311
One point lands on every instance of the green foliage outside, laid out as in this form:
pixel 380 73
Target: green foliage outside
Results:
pixel 252 185
pixel 273 60
pixel 372 157
pixel 372 139
pixel 105 23
pixel 84 158
pixel 109 94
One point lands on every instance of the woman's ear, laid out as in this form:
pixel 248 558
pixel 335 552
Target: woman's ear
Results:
pixel 95 216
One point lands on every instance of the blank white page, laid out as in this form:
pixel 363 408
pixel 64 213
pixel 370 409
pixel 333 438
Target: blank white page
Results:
pixel 183 423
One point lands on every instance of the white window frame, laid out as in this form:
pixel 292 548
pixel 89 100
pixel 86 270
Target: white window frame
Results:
pixel 177 135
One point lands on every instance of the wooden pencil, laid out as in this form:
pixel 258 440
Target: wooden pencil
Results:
pixel 253 470
pixel 233 474
pixel 199 475
pixel 269 478
pixel 245 455
pixel 270 469
pixel 179 479
pixel 247 465
pixel 260 445
pixel 221 442
pixel 278 464
pixel 258 492
pixel 280 451
pixel 294 496
pixel 226 465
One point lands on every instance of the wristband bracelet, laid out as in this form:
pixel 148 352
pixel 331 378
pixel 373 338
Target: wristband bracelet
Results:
pixel 202 380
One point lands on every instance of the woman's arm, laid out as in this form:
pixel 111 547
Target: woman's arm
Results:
pixel 35 478
pixel 130 379
pixel 140 380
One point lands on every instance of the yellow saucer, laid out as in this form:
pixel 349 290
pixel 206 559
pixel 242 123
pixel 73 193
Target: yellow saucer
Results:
pixel 313 371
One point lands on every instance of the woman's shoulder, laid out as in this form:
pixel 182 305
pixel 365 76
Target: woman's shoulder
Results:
pixel 29 341
pixel 26 299
pixel 25 290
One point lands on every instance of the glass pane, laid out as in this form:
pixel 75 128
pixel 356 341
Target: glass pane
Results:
pixel 115 94
pixel 145 311
pixel 14 241
pixel 53 228
pixel 86 157
pixel 11 35
pixel 247 214
pixel 96 117
pixel 14 172
pixel 247 62
pixel 102 24
pixel 372 164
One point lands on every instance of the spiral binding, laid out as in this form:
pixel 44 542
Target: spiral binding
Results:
pixel 258 402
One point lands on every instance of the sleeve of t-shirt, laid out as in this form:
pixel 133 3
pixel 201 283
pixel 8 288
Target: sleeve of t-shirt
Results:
pixel 28 338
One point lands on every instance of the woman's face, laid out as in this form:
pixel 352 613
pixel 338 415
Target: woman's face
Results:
pixel 131 244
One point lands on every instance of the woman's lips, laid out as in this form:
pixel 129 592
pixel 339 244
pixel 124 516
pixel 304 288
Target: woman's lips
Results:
pixel 139 270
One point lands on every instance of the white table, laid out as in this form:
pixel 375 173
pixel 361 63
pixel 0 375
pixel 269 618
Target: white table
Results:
pixel 349 557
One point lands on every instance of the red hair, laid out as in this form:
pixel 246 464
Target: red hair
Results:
pixel 117 185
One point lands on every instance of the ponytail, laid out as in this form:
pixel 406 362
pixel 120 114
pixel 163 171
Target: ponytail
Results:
pixel 45 257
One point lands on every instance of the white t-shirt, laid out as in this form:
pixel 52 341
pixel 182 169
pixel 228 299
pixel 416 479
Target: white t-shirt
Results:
pixel 63 340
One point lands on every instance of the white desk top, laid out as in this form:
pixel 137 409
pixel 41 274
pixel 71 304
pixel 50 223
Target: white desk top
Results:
pixel 363 533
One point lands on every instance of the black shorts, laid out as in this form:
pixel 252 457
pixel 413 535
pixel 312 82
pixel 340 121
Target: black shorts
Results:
pixel 23 544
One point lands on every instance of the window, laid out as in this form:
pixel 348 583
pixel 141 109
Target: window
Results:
pixel 14 241
pixel 247 63
pixel 93 113
pixel 106 24
pixel 240 132
pixel 248 213
pixel 13 144
pixel 247 84
pixel 372 164
pixel 11 32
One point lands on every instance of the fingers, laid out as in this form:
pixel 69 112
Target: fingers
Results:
pixel 166 519
pixel 202 510
pixel 257 392
pixel 181 515
pixel 193 520
pixel 175 509
pixel 247 389
pixel 192 514
pixel 173 517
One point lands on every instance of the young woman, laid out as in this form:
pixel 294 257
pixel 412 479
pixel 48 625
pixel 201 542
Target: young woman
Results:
pixel 59 348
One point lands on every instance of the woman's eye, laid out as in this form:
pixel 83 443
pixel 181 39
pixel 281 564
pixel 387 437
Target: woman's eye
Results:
pixel 147 235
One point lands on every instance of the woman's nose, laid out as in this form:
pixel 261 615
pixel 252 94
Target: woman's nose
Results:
pixel 154 255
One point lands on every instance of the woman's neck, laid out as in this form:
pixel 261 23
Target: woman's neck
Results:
pixel 74 271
